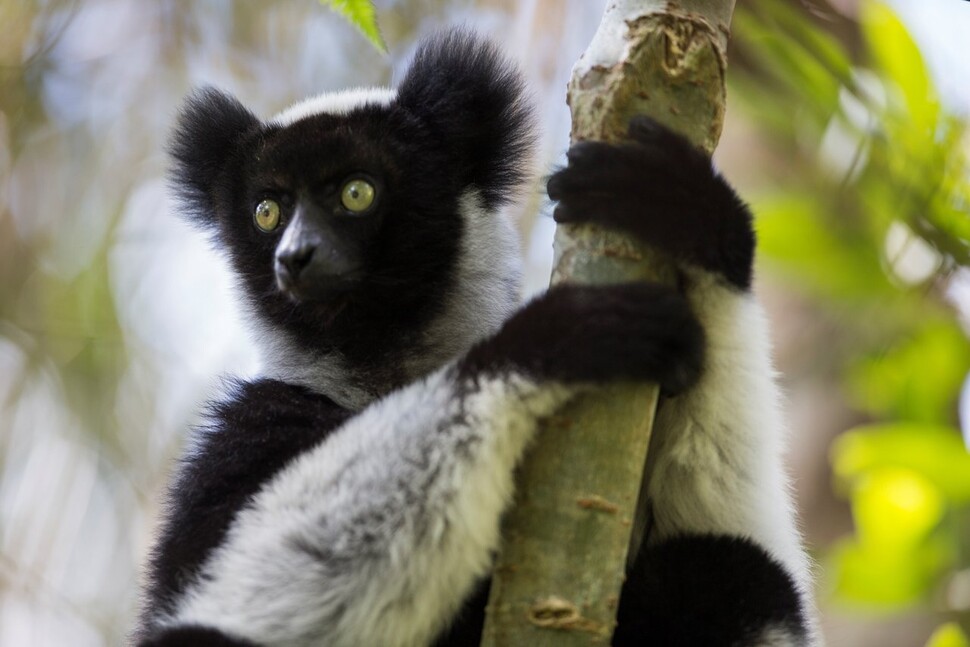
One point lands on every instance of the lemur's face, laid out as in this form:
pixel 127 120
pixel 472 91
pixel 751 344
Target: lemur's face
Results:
pixel 317 194
pixel 331 218
pixel 338 219
pixel 344 215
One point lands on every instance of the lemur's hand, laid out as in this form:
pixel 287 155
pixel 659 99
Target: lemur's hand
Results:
pixel 660 188
pixel 577 333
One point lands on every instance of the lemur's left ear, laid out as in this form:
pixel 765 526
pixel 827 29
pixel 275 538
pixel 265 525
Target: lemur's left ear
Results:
pixel 468 94
pixel 209 127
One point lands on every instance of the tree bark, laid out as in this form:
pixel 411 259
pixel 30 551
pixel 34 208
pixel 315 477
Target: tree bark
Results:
pixel 561 567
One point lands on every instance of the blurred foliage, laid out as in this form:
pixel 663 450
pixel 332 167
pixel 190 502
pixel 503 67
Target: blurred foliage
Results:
pixel 874 222
pixel 361 14
pixel 948 635
pixel 99 373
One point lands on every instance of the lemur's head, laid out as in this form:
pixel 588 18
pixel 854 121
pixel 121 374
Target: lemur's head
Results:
pixel 363 225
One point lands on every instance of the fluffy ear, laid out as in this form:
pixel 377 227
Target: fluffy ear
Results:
pixel 469 95
pixel 209 126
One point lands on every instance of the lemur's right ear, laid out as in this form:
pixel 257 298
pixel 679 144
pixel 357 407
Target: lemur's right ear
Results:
pixel 209 127
pixel 475 100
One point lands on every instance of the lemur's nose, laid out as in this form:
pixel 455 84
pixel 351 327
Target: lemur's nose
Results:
pixel 297 257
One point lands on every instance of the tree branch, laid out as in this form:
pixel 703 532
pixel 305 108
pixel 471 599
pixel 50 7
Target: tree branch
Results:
pixel 558 577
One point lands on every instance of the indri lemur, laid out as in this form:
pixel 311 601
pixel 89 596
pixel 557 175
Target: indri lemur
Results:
pixel 353 495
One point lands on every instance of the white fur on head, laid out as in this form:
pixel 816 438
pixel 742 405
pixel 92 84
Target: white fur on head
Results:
pixel 485 291
pixel 325 373
pixel 334 103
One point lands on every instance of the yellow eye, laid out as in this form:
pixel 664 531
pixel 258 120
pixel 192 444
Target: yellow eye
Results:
pixel 357 195
pixel 267 215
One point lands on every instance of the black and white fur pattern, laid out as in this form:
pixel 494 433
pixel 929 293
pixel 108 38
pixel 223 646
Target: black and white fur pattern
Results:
pixel 353 496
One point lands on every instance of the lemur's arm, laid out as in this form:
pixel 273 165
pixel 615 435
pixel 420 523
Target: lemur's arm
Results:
pixel 376 535
pixel 723 562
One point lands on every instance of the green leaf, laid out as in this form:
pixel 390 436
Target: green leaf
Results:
pixel 948 635
pixel 895 559
pixel 918 379
pixel 887 579
pixel 822 46
pixel 898 57
pixel 936 453
pixel 361 14
pixel 789 64
pixel 895 508
pixel 827 255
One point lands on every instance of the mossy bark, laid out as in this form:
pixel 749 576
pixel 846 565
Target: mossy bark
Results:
pixel 561 567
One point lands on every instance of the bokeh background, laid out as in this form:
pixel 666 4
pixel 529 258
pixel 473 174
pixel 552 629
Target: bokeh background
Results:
pixel 846 130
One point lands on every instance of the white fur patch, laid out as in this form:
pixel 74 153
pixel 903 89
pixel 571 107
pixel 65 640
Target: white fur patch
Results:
pixel 486 289
pixel 335 103
pixel 777 636
pixel 716 458
pixel 325 373
pixel 376 536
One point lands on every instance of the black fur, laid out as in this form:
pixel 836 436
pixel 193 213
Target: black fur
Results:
pixel 194 637
pixel 706 591
pixel 250 437
pixel 689 591
pixel 575 333
pixel 206 141
pixel 460 121
pixel 660 188
pixel 473 101
pixel 466 630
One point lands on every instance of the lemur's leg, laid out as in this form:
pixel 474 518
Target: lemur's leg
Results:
pixel 376 535
pixel 723 562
